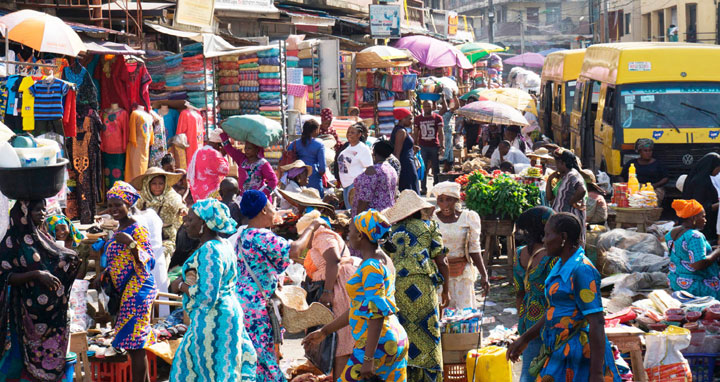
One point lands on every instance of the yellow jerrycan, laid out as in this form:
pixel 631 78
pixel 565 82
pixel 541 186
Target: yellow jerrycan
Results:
pixel 491 365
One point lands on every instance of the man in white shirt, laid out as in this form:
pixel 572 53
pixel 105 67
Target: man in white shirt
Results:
pixel 512 135
pixel 506 152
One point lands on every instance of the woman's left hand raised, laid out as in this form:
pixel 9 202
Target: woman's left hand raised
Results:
pixel 123 238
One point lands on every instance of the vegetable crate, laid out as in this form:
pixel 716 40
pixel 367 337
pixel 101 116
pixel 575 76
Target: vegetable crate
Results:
pixel 702 366
pixel 119 369
pixel 454 372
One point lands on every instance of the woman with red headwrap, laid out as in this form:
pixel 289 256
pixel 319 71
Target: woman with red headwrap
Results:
pixel 693 263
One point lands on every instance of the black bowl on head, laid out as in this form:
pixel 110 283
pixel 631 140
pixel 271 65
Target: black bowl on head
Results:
pixel 33 183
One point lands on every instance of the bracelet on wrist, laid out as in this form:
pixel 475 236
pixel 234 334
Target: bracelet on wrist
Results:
pixel 368 359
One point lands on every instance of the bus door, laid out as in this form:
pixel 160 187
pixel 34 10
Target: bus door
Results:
pixel 587 124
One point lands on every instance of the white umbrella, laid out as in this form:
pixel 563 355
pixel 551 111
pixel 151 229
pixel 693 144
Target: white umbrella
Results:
pixel 387 52
pixel 41 32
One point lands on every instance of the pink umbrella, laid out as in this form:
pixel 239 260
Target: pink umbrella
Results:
pixel 434 53
pixel 528 60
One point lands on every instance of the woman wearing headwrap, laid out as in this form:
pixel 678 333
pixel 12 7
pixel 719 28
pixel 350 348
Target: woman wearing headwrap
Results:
pixel 262 255
pixel 566 188
pixel 532 266
pixel 254 171
pixel 130 262
pixel 207 169
pixel 311 151
pixel 647 168
pixel 693 263
pixel 62 229
pixel 35 279
pixel 460 230
pixel 381 343
pixel 699 186
pixel 216 345
pixel 297 174
pixel 403 145
pixel 157 193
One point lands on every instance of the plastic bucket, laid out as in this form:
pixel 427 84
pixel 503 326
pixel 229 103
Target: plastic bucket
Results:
pixel 70 361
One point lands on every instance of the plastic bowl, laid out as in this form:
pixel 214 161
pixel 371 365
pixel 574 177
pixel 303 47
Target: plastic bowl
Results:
pixel 42 156
pixel 33 183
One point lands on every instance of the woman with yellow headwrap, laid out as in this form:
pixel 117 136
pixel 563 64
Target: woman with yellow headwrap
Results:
pixel 381 343
pixel 693 263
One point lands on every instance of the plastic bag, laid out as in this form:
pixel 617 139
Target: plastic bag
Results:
pixel 631 241
pixel 666 361
pixel 296 273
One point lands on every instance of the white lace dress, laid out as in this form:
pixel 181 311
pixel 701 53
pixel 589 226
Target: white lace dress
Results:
pixel 464 233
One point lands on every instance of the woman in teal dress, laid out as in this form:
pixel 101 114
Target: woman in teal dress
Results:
pixel 420 268
pixel 373 313
pixel 532 266
pixel 693 264
pixel 572 330
pixel 216 346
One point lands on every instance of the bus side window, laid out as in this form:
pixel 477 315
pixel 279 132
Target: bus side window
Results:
pixel 579 94
pixel 609 110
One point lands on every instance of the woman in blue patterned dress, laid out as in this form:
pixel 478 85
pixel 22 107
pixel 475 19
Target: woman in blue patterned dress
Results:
pixel 693 264
pixel 572 330
pixel 372 314
pixel 130 263
pixel 216 346
pixel 265 255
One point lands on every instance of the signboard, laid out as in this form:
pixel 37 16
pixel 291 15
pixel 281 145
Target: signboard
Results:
pixel 385 20
pixel 245 5
pixel 452 23
pixel 197 13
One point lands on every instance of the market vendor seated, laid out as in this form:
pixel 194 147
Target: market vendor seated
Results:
pixel 506 152
pixel 693 263
pixel 62 229
pixel 647 168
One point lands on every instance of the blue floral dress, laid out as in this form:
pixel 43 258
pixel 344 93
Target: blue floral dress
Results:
pixel 573 292
pixel 534 302
pixel 216 346
pixel 372 295
pixel 690 248
pixel 268 255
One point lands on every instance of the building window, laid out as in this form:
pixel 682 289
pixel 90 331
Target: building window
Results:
pixel 628 20
pixel 552 14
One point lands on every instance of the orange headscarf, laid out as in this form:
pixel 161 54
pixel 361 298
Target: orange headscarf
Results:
pixel 687 208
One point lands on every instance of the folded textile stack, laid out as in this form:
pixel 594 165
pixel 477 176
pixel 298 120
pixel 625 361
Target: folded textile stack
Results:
pixel 167 75
pixel 247 87
pixel 309 62
pixel 386 119
pixel 197 80
pixel 345 70
pixel 270 84
pixel 227 76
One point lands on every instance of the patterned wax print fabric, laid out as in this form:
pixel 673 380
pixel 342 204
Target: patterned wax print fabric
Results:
pixel 689 248
pixel 207 170
pixel 564 191
pixel 137 285
pixel 268 255
pixel 55 220
pixel 158 149
pixel 534 302
pixel 34 333
pixel 573 292
pixel 169 206
pixel 457 237
pixel 216 346
pixel 417 243
pixel 378 189
pixel 372 295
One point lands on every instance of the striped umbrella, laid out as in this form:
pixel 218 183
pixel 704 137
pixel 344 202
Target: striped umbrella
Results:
pixel 41 32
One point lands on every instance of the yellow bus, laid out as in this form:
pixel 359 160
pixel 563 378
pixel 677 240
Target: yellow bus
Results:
pixel 668 92
pixel 559 74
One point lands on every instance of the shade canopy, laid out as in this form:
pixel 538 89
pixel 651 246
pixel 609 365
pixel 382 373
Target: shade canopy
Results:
pixel 528 60
pixel 42 32
pixel 476 51
pixel 492 112
pixel 434 53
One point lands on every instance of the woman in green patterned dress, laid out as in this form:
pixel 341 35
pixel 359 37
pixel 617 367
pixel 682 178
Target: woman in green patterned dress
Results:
pixel 420 269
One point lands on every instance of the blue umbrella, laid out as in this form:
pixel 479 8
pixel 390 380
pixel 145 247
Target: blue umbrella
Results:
pixel 548 51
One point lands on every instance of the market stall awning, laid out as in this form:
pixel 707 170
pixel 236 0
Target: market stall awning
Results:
pixel 108 47
pixel 371 60
pixel 213 45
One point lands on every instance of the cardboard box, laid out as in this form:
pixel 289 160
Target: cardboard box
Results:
pixel 456 346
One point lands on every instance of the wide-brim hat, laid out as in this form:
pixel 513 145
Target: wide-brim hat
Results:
pixel 297 315
pixel 308 197
pixel 407 205
pixel 171 178
pixel 588 175
pixel 297 164
pixel 541 153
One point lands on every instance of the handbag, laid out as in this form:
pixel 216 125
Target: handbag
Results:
pixel 269 305
pixel 289 155
pixel 538 363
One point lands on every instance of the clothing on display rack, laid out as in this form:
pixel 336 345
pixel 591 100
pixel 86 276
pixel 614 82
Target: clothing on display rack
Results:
pixel 140 138
pixel 190 123
pixel 158 149
pixel 114 140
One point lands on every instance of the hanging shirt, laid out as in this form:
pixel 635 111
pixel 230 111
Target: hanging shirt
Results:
pixel 27 109
pixel 115 136
pixel 12 96
pixel 48 99
pixel 171 121
pixel 190 123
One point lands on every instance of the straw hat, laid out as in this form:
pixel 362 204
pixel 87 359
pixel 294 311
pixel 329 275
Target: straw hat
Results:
pixel 297 315
pixel 588 175
pixel 407 204
pixel 308 197
pixel 171 178
pixel 297 164
pixel 541 153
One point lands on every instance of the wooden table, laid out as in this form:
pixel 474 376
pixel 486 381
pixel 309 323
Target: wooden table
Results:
pixel 639 217
pixel 629 339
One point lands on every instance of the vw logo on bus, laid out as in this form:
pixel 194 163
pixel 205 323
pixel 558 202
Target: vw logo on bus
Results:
pixel 687 159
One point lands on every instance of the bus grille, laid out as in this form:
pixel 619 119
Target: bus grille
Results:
pixel 675 160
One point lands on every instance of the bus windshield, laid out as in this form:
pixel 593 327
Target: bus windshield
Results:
pixel 569 95
pixel 685 104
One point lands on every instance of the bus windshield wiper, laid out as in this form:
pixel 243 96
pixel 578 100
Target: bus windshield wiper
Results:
pixel 659 114
pixel 712 115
